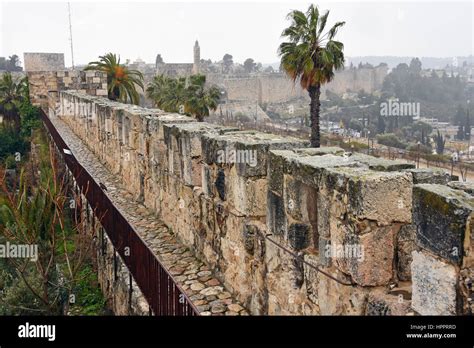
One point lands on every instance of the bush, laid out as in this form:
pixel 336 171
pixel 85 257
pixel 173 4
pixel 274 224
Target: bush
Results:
pixel 10 162
pixel 10 143
pixel 241 117
pixel 30 118
pixel 420 148
pixel 391 140
pixel 353 146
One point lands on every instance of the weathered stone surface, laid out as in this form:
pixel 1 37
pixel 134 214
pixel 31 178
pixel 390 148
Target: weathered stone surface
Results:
pixel 299 236
pixel 363 258
pixel 276 218
pixel 441 216
pixel 382 303
pixel 385 197
pixel 466 186
pixel 429 176
pixel 434 285
pixel 339 299
pixel 246 149
pixel 382 164
pixel 405 246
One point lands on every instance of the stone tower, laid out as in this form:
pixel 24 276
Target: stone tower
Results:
pixel 197 58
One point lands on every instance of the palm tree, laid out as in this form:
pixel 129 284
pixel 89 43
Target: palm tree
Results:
pixel 12 93
pixel 168 94
pixel 311 57
pixel 184 95
pixel 121 81
pixel 200 100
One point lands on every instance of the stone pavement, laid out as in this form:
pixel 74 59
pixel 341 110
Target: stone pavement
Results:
pixel 191 274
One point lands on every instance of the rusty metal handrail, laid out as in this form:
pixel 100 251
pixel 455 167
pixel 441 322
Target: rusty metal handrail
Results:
pixel 164 295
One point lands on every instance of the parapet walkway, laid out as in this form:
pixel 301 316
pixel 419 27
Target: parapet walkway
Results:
pixel 191 274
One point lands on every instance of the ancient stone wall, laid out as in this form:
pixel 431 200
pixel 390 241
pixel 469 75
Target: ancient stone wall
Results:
pixel 44 85
pixel 276 87
pixel 290 229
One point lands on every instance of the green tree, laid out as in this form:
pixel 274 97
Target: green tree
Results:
pixel 227 62
pixel 467 127
pixel 122 82
pixel 311 56
pixel 199 100
pixel 189 96
pixel 460 135
pixel 13 92
pixel 459 116
pixel 440 143
pixel 355 124
pixel 391 140
pixel 249 65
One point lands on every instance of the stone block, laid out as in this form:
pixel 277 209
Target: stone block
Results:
pixel 338 299
pixel 429 176
pixel 300 200
pixel 381 303
pixel 247 150
pixel 299 236
pixel 385 197
pixel 466 186
pixel 362 257
pixel 382 164
pixel 442 217
pixel 246 195
pixel 405 246
pixel 276 217
pixel 434 285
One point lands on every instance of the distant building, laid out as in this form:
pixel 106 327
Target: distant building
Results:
pixel 180 69
pixel 43 61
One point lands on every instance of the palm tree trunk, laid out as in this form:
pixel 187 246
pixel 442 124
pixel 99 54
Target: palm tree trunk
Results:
pixel 314 94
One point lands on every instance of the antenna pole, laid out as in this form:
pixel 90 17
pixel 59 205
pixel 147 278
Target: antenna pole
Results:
pixel 70 34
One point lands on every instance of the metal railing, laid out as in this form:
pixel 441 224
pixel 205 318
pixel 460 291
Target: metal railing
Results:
pixel 161 291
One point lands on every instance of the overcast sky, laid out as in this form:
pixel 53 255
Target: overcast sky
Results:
pixel 243 29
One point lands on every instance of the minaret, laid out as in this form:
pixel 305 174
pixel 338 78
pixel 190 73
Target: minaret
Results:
pixel 197 58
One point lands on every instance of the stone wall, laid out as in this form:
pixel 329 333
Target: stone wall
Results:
pixel 43 61
pixel 44 85
pixel 277 87
pixel 289 229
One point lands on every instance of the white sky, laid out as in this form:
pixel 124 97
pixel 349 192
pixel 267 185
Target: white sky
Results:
pixel 243 29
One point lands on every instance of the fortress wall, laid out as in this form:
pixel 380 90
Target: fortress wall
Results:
pixel 277 88
pixel 45 85
pixel 264 223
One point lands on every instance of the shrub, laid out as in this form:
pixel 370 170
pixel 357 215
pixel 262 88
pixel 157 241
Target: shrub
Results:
pixel 10 162
pixel 391 140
